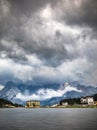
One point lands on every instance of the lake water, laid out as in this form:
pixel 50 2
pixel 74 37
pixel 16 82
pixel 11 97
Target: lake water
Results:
pixel 48 119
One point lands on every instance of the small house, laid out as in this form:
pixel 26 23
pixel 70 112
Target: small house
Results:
pixel 87 100
pixel 64 103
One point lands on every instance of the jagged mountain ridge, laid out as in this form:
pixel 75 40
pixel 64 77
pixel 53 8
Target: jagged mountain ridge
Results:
pixel 57 91
pixel 9 91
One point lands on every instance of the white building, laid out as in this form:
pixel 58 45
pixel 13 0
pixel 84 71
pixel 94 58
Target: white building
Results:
pixel 90 100
pixel 55 105
pixel 64 103
pixel 87 100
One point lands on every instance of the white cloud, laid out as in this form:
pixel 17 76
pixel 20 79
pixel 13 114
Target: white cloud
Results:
pixel 34 60
pixel 24 73
pixel 19 71
pixel 46 13
pixel 43 94
pixel 27 72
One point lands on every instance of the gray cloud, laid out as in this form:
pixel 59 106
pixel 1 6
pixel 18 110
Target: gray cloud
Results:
pixel 57 32
pixel 78 12
pixel 26 7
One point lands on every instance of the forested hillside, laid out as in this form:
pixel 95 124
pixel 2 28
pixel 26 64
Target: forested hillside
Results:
pixel 6 103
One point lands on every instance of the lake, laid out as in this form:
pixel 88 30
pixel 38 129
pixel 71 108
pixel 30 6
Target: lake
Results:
pixel 48 119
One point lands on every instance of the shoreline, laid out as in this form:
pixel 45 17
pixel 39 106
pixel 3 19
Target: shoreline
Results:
pixel 59 106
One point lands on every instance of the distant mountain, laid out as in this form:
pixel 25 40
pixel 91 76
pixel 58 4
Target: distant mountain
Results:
pixel 48 94
pixel 87 90
pixel 9 91
pixel 56 100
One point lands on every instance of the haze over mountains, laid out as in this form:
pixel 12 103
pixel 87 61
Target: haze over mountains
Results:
pixel 48 94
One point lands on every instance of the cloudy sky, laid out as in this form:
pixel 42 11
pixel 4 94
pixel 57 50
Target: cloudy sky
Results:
pixel 48 41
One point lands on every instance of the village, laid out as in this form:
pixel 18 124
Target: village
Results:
pixel 83 102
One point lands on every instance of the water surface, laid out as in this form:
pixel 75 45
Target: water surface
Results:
pixel 48 119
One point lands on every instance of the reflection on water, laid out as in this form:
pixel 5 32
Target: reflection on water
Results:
pixel 48 119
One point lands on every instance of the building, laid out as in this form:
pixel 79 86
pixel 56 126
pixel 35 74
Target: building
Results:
pixel 95 103
pixel 64 103
pixel 33 103
pixel 55 105
pixel 87 100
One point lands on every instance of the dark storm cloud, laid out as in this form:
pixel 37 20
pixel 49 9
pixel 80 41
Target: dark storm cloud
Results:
pixel 78 12
pixel 26 7
pixel 48 38
pixel 13 32
pixel 31 37
pixel 13 15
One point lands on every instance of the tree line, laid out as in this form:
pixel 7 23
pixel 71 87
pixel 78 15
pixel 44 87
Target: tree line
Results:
pixel 72 101
pixel 4 102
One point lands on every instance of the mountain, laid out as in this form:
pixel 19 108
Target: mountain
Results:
pixel 9 91
pixel 48 94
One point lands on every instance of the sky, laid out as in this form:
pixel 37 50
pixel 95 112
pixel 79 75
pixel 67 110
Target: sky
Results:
pixel 48 41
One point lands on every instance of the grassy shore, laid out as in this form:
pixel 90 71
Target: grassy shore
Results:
pixel 72 106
